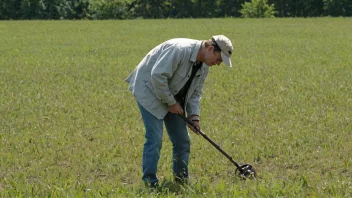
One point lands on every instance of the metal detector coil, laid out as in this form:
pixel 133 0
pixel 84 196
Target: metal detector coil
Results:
pixel 246 171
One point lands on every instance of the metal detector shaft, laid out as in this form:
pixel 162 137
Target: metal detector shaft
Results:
pixel 209 140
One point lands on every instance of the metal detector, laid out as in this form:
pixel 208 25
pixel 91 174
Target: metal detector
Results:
pixel 243 171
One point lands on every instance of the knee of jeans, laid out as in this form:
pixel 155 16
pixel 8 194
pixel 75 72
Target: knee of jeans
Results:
pixel 185 145
pixel 152 138
pixel 187 148
pixel 153 144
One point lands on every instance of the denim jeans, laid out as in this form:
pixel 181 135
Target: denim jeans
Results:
pixel 178 134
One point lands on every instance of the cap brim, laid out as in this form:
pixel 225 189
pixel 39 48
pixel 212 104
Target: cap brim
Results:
pixel 226 59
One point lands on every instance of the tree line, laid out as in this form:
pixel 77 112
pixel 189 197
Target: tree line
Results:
pixel 156 9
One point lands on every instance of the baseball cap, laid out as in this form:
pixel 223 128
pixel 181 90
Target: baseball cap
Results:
pixel 226 48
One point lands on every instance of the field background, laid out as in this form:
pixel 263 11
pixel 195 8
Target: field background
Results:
pixel 70 128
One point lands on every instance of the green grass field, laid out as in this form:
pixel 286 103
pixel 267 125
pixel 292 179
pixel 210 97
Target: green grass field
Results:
pixel 70 128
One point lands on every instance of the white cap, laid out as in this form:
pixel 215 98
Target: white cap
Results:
pixel 226 48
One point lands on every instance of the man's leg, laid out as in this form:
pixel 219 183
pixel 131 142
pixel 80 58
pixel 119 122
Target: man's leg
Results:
pixel 177 130
pixel 152 146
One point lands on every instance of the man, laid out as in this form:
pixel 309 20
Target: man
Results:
pixel 167 82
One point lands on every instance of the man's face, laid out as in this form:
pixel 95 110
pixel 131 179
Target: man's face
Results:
pixel 212 57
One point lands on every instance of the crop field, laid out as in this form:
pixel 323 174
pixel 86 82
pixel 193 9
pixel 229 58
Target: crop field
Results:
pixel 70 128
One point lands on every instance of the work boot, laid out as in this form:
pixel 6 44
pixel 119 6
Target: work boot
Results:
pixel 181 181
pixel 151 185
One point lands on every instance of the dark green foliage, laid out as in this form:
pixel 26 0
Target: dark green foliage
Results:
pixel 338 8
pixel 257 9
pixel 130 9
pixel 110 9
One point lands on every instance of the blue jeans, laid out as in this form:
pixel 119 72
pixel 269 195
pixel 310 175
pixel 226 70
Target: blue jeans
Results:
pixel 178 134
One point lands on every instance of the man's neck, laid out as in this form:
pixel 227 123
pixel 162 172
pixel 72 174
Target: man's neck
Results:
pixel 200 54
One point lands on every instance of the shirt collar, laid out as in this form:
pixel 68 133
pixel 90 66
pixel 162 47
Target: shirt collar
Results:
pixel 195 51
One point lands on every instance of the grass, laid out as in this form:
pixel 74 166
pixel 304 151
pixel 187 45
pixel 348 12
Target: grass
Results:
pixel 70 128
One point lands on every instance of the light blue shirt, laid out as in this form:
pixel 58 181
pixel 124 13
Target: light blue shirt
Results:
pixel 163 72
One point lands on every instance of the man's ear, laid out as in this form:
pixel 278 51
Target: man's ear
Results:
pixel 210 48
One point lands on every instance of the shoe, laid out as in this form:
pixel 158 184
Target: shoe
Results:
pixel 181 181
pixel 151 185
